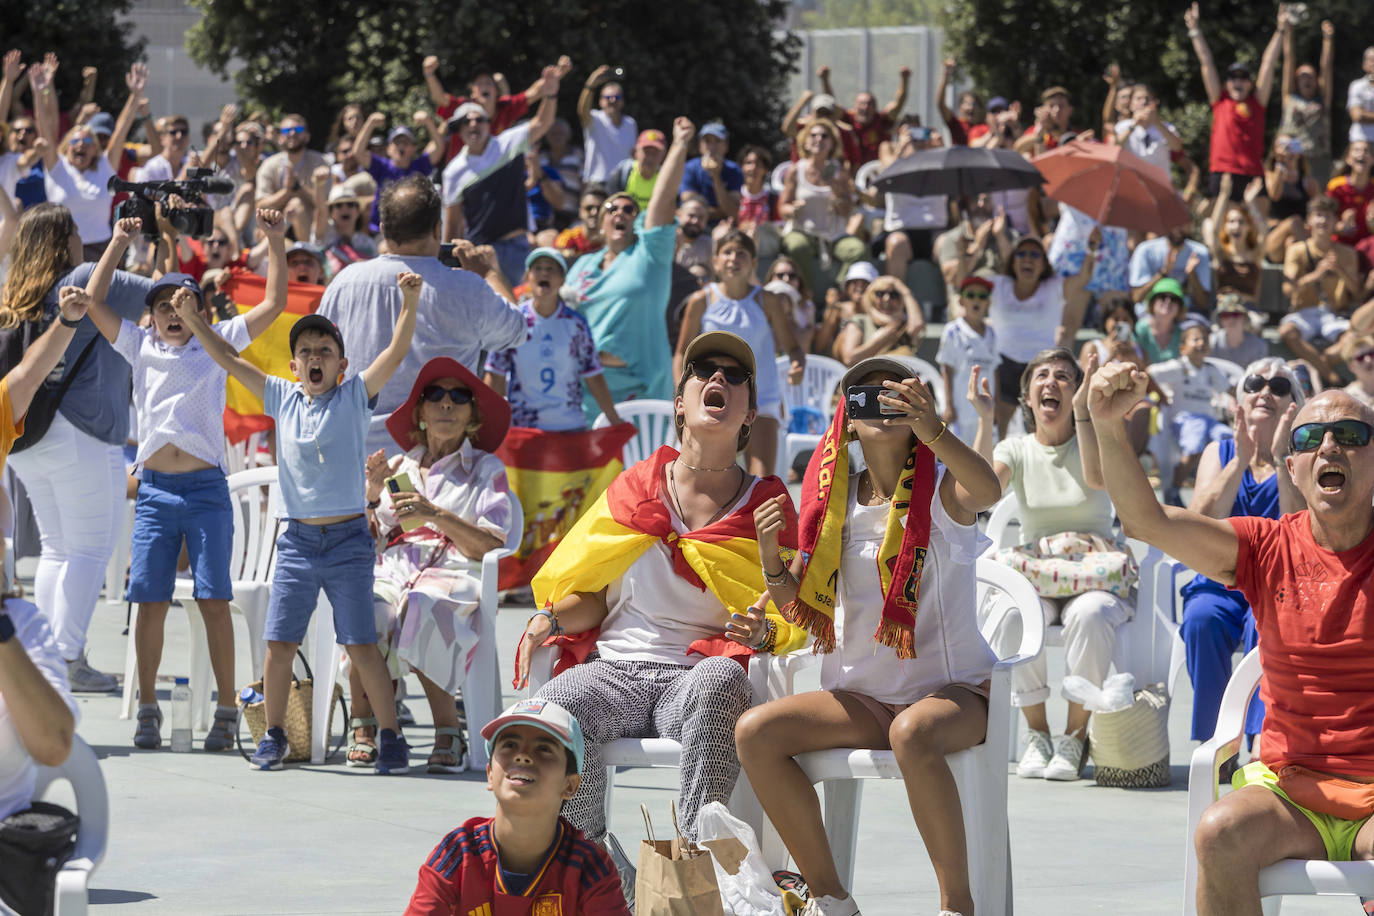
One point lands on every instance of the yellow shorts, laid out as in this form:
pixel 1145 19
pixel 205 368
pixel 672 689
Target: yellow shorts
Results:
pixel 1337 833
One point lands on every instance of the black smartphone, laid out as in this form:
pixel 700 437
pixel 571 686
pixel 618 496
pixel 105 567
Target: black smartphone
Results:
pixel 861 403
pixel 446 255
pixel 223 306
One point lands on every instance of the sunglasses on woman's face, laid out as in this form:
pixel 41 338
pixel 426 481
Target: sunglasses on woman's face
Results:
pixel 705 370
pixel 1347 433
pixel 887 294
pixel 434 394
pixel 1033 253
pixel 785 275
pixel 628 209
pixel 1278 385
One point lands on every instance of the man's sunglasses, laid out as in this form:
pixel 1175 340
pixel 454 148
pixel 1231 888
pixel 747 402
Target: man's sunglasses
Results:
pixel 612 97
pixel 435 393
pixel 704 369
pixel 472 122
pixel 249 141
pixel 1278 385
pixel 178 132
pixel 628 210
pixel 1347 433
pixel 23 131
pixel 289 131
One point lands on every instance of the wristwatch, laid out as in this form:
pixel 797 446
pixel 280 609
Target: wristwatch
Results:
pixel 6 627
pixel 68 324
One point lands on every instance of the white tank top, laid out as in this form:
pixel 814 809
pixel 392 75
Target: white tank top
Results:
pixel 746 318
pixel 814 215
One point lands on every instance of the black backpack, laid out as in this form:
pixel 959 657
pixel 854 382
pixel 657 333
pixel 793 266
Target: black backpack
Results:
pixel 34 845
pixel 13 343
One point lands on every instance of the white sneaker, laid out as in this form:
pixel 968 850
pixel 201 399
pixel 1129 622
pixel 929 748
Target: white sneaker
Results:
pixel 1035 755
pixel 829 906
pixel 1067 762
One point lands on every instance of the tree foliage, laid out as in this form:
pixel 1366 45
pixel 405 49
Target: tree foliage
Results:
pixel 1015 48
pixel 84 33
pixel 709 59
pixel 855 14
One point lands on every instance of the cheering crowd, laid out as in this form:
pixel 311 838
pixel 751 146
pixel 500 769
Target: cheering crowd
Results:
pixel 487 267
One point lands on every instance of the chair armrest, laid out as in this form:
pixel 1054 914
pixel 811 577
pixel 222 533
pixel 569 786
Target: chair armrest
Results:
pixel 774 676
pixel 542 662
pixel 1225 741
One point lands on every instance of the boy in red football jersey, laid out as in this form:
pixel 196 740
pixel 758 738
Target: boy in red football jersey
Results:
pixel 527 860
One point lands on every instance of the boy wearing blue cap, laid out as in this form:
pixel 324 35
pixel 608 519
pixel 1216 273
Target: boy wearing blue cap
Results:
pixel 527 859
pixel 178 392
pixel 322 423
pixel 543 377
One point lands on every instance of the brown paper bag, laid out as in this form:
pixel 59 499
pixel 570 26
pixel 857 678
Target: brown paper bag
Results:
pixel 675 877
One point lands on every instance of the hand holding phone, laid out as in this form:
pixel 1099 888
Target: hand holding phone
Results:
pixel 861 403
pixel 400 483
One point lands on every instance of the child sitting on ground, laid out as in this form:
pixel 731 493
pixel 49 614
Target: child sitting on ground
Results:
pixel 178 392
pixel 547 371
pixel 534 753
pixel 1197 392
pixel 322 423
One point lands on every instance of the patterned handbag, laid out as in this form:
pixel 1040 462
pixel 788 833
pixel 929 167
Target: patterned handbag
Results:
pixel 1072 563
pixel 1130 747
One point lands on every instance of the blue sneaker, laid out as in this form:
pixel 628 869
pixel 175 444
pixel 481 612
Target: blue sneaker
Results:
pixel 393 757
pixel 271 750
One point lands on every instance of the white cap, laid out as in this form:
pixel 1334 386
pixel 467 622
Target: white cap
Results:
pixel 861 270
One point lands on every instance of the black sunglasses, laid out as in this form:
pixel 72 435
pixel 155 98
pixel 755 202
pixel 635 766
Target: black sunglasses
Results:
pixel 434 394
pixel 704 369
pixel 1278 385
pixel 1347 433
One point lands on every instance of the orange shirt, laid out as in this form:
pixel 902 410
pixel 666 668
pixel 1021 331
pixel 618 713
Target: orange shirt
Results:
pixel 1348 197
pixel 1314 609
pixel 10 428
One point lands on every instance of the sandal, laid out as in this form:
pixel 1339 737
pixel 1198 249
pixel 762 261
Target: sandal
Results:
pixel 362 752
pixel 452 758
pixel 223 729
pixel 148 733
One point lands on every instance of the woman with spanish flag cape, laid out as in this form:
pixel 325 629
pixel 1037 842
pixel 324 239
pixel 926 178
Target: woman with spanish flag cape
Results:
pixel 884 580
pixel 652 594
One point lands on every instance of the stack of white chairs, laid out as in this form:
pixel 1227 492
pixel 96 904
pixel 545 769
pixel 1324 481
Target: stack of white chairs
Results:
pixel 817 392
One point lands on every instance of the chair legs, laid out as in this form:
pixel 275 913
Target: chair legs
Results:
pixel 842 824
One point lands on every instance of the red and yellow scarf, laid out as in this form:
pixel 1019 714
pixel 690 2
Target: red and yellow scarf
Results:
pixel 630 517
pixel 824 502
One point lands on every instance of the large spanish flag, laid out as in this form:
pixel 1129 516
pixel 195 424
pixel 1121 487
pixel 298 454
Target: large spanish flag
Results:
pixel 557 477
pixel 630 517
pixel 271 351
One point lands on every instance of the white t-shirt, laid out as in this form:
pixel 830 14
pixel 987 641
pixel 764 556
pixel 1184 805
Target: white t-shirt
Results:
pixel 949 647
pixel 1049 485
pixel 655 613
pixel 84 194
pixel 179 391
pixel 157 168
pixel 1191 389
pixel 17 772
pixel 907 211
pixel 1026 326
pixel 1149 143
pixel 607 145
pixel 1361 95
pixel 962 348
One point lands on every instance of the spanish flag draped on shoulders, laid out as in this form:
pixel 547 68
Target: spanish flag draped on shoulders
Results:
pixel 628 519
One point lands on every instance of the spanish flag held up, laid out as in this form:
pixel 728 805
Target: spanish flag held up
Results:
pixel 271 351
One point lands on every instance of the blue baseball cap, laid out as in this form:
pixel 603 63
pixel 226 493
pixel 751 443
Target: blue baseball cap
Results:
pixel 400 132
pixel 714 129
pixel 101 124
pixel 553 254
pixel 174 281
pixel 542 714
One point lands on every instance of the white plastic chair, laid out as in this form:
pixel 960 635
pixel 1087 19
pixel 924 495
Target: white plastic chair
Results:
pixel 816 391
pixel 777 179
pixel 117 569
pixel 653 419
pixel 980 772
pixel 1289 877
pixel 253 494
pixel 929 374
pixel 246 454
pixel 82 771
pixel 481 681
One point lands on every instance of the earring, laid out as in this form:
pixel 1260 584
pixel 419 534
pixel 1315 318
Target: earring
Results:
pixel 423 426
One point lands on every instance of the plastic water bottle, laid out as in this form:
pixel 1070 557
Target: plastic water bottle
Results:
pixel 181 715
pixel 249 696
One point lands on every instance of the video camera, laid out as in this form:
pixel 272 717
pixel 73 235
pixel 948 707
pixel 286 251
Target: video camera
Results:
pixel 197 219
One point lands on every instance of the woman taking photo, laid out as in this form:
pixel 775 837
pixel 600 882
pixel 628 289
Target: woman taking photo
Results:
pixel 910 675
pixel 662 568
pixel 817 198
pixel 75 474
pixel 428 580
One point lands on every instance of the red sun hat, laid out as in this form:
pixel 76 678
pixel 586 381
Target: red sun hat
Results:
pixel 495 410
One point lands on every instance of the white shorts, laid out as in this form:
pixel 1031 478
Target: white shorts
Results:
pixel 1318 325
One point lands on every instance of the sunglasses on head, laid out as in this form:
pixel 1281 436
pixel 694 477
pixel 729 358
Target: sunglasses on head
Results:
pixel 435 393
pixel 1347 433
pixel 704 369
pixel 1279 386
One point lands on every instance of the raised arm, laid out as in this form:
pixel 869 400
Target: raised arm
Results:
pixel 260 316
pixel 360 154
pixel 1290 65
pixel 137 81
pixel 1076 295
pixel 664 199
pixel 1213 227
pixel 45 115
pixel 783 338
pixel 1112 77
pixel 690 328
pixel 1083 427
pixel 548 107
pixel 561 70
pixel 41 358
pixel 10 72
pixel 1265 84
pixel 98 284
pixel 389 360
pixel 1328 63
pixel 430 68
pixel 320 180
pixel 793 116
pixel 894 107
pixel 1211 80
pixel 586 99
pixel 946 113
pixel 1208 545
pixel 220 350
pixel 434 150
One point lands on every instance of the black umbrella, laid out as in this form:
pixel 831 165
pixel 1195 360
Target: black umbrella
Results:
pixel 958 171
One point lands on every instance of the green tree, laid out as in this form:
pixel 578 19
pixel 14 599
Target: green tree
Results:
pixel 871 14
pixel 1015 48
pixel 710 59
pixel 83 33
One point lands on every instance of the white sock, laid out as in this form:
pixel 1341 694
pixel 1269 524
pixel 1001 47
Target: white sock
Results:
pixel 832 906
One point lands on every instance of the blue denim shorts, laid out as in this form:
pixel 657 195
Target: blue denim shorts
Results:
pixel 1194 430
pixel 195 506
pixel 338 558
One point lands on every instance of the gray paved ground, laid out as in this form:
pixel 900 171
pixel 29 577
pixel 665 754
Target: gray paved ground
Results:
pixel 196 833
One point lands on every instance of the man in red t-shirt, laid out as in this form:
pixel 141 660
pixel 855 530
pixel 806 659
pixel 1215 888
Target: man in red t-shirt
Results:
pixel 504 110
pixel 968 125
pixel 1309 577
pixel 871 126
pixel 1237 107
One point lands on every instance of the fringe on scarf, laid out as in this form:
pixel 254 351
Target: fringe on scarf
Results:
pixel 898 637
pixel 820 624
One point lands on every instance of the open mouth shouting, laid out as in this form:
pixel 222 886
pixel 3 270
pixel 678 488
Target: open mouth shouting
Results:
pixel 713 397
pixel 315 375
pixel 1331 479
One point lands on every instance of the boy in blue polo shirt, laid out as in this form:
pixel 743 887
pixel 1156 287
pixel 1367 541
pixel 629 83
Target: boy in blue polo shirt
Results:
pixel 321 430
